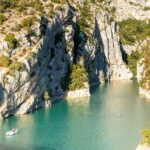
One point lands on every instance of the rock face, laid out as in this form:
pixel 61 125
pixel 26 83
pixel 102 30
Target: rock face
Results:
pixel 59 43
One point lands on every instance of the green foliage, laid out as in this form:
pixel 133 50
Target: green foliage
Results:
pixel 133 30
pixel 145 81
pixel 22 5
pixel 2 19
pixel 27 22
pixel 85 18
pixel 132 61
pixel 46 96
pixel 12 41
pixel 16 66
pixel 59 1
pixel 145 137
pixel 51 10
pixel 146 8
pixel 38 5
pixel 78 77
pixel 8 4
pixel 4 61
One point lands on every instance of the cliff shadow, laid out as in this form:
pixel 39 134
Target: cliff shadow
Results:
pixel 95 60
pixel 123 53
pixel 52 67
pixel 1 93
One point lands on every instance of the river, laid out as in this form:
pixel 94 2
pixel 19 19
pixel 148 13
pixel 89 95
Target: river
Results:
pixel 111 119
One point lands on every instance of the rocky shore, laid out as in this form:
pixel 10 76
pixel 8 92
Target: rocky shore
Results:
pixel 144 92
pixel 142 147
pixel 78 94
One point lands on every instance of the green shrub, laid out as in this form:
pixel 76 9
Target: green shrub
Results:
pixel 132 62
pixel 28 22
pixel 12 41
pixel 4 61
pixel 78 77
pixel 2 19
pixel 8 3
pixel 22 5
pixel 38 5
pixel 16 66
pixel 145 80
pixel 133 30
pixel 145 137
pixel 85 18
pixel 146 8
pixel 46 96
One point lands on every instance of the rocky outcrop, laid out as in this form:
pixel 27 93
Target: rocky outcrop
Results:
pixel 78 94
pixel 144 92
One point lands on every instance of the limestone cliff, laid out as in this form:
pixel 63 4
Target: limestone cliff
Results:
pixel 38 56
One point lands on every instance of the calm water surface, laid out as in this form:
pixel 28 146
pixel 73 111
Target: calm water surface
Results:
pixel 110 120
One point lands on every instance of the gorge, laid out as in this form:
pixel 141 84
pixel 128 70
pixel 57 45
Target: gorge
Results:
pixel 51 50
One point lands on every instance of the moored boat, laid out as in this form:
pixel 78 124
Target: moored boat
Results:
pixel 12 132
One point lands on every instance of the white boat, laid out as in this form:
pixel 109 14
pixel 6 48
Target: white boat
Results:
pixel 12 132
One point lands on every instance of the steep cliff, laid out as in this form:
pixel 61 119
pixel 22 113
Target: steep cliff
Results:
pixel 54 45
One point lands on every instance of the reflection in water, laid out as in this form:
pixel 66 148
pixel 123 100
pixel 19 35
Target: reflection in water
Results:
pixel 110 119
pixel 83 102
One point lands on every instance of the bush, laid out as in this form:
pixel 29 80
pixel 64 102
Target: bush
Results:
pixel 133 30
pixel 12 41
pixel 145 80
pixel 132 62
pixel 22 5
pixel 46 96
pixel 145 137
pixel 38 5
pixel 85 18
pixel 78 77
pixel 4 61
pixel 28 22
pixel 16 66
pixel 2 19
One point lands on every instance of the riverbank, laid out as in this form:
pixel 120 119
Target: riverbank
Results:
pixel 144 92
pixel 78 93
pixel 142 147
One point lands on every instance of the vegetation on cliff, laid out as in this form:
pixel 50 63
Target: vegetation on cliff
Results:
pixel 85 19
pixel 12 66
pixel 145 81
pixel 145 137
pixel 78 76
pixel 2 19
pixel 132 61
pixel 12 41
pixel 4 61
pixel 132 30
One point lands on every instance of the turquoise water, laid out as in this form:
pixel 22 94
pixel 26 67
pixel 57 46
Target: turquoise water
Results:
pixel 110 120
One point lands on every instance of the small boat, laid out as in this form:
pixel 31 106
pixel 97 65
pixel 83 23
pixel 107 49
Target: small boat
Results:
pixel 12 132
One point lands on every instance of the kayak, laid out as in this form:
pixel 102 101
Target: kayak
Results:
pixel 12 132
